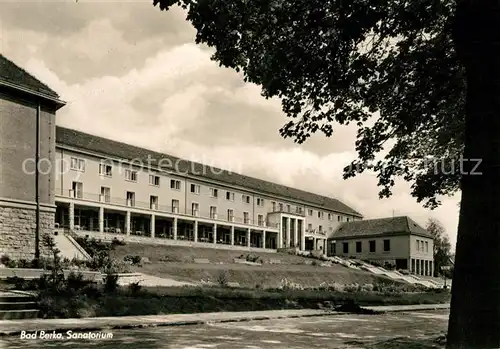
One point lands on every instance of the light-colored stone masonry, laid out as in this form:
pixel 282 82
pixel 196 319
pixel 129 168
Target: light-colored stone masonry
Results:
pixel 17 232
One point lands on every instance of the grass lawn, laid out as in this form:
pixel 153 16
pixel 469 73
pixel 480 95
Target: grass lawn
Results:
pixel 185 254
pixel 265 276
pixel 176 262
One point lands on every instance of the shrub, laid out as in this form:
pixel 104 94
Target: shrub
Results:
pixel 117 242
pixel 315 263
pixel 352 288
pixel 134 260
pixel 110 283
pixel 12 264
pixel 134 288
pixel 389 266
pixel 252 258
pixel 5 259
pixel 223 278
pixel 23 263
pixel 367 288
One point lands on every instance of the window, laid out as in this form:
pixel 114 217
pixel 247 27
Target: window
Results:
pixel 175 206
pixel 195 209
pixel 274 206
pixel 213 212
pixel 153 202
pixel 230 215
pixel 77 190
pixel 105 194
pixel 319 214
pixel 387 245
pixel 348 219
pixel 320 228
pixel 310 212
pixel 309 227
pixel 427 246
pixel 372 246
pixel 345 247
pixel 245 198
pixel 339 218
pixel 246 218
pixel 288 208
pixel 329 216
pixel 214 192
pixel 359 247
pixel 175 184
pixel 418 245
pixel 78 164
pixel 154 180
pixel 260 202
pixel 281 207
pixel 130 198
pixel 195 188
pixel 260 220
pixel 105 170
pixel 229 196
pixel 298 209
pixel 131 175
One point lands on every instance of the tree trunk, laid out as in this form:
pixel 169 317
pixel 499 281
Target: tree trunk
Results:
pixel 475 304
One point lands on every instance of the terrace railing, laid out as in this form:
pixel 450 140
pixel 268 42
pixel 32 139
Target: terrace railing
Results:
pixel 155 206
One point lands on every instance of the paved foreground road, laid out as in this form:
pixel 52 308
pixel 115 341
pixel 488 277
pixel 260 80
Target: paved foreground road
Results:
pixel 413 330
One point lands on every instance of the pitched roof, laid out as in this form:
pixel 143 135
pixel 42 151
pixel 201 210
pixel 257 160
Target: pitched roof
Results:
pixel 381 226
pixel 99 145
pixel 13 74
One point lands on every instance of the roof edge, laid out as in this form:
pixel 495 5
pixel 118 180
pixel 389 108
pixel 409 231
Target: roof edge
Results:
pixel 59 103
pixel 63 145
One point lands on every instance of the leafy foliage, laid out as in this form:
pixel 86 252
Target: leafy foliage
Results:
pixel 388 66
pixel 442 247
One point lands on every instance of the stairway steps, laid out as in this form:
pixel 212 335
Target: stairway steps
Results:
pixel 17 305
pixel 17 299
pixel 18 314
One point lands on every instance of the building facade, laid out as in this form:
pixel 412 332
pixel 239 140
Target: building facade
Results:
pixel 103 188
pixel 397 241
pixel 116 189
pixel 27 108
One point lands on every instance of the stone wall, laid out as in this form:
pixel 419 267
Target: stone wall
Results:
pixel 17 232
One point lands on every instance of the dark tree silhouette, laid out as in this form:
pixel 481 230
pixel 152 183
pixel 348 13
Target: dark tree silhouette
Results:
pixel 427 75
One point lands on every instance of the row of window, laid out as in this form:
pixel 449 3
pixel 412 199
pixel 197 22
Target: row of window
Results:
pixel 422 246
pixel 153 204
pixel 320 229
pixel 372 246
pixel 154 180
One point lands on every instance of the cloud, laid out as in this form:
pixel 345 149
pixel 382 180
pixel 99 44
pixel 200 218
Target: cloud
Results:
pixel 132 73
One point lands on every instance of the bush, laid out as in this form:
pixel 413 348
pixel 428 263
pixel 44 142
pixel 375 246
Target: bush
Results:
pixel 12 264
pixel 134 288
pixel 134 260
pixel 4 259
pixel 315 263
pixel 367 288
pixel 117 242
pixel 252 258
pixel 110 283
pixel 389 266
pixel 223 278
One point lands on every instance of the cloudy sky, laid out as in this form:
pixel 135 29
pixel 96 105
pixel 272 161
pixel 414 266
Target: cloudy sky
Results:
pixel 132 73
